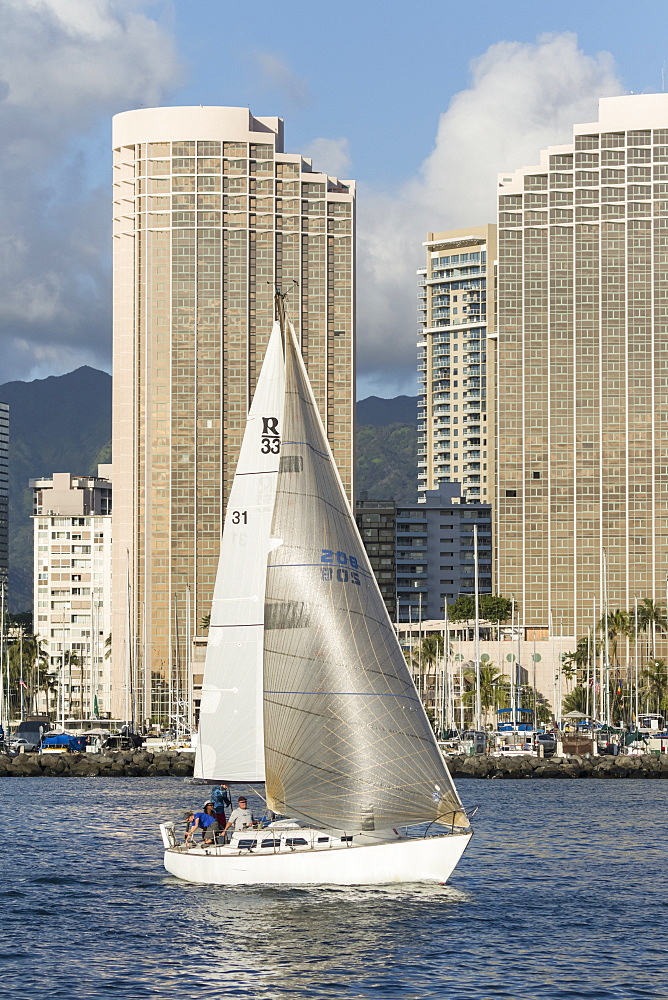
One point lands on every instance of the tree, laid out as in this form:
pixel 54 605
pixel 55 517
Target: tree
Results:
pixel 463 609
pixel 651 618
pixel 49 685
pixel 581 658
pixel 490 607
pixel 27 661
pixel 655 687
pixel 494 608
pixel 576 700
pixel 71 659
pixel 493 687
pixel 616 624
pixel 426 655
pixel 205 622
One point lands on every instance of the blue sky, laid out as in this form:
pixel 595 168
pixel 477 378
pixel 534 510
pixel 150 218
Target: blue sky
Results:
pixel 421 105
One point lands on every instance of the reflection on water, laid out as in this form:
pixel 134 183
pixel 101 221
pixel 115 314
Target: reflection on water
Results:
pixel 560 893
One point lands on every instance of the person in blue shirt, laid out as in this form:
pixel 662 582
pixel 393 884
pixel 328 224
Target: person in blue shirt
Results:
pixel 220 797
pixel 204 821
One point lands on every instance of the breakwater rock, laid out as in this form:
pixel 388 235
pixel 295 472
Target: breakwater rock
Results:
pixel 573 766
pixel 108 764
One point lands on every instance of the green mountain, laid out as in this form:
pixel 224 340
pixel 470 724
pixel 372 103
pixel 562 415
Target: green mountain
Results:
pixel 386 462
pixel 383 412
pixel 63 424
pixel 56 424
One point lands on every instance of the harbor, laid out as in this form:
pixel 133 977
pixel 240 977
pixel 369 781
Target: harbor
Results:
pixel 560 895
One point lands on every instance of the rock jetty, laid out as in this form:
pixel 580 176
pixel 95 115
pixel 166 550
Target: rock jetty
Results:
pixel 143 764
pixel 573 766
pixel 108 764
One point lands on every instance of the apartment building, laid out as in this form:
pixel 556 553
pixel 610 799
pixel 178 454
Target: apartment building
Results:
pixel 582 500
pixel 72 589
pixel 456 349
pixel 211 215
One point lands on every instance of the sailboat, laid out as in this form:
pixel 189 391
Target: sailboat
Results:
pixel 306 689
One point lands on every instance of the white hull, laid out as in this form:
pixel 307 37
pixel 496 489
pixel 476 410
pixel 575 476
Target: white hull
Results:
pixel 431 859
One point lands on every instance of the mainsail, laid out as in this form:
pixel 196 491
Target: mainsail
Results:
pixel 230 740
pixel 347 741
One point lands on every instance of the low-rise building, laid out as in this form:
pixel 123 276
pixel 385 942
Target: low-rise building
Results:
pixel 423 553
pixel 72 588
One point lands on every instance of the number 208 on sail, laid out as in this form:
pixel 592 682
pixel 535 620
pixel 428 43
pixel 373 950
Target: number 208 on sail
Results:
pixel 346 567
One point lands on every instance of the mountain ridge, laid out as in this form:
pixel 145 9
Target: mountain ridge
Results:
pixel 62 423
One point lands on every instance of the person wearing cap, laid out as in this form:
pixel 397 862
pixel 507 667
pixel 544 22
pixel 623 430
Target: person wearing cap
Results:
pixel 204 821
pixel 240 818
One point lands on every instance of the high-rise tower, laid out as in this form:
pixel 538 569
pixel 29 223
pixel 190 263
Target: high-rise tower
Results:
pixel 456 342
pixel 210 216
pixel 583 370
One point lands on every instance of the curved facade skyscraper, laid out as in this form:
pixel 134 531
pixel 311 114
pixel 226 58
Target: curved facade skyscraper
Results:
pixel 210 216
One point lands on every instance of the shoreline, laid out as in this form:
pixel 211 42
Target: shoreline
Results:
pixel 171 763
pixel 107 764
pixel 572 766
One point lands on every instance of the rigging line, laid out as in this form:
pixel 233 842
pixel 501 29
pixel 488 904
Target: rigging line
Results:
pixel 259 472
pixel 240 625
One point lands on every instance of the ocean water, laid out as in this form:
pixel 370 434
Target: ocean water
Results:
pixel 561 894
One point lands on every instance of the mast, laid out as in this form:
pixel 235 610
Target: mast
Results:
pixel 635 658
pixel 478 700
pixel 3 717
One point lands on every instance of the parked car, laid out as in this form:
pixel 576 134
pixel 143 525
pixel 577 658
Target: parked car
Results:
pixel 22 745
pixel 30 732
pixel 548 741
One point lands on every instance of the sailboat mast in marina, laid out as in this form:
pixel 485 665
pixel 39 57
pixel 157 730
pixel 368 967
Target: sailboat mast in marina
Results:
pixel 305 685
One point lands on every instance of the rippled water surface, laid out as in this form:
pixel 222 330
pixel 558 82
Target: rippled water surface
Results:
pixel 562 893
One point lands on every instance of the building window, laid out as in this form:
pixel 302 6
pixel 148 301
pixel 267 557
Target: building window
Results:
pixel 511 493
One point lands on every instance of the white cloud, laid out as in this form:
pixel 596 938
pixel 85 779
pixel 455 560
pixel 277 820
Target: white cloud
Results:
pixel 65 67
pixel 522 98
pixel 283 79
pixel 330 156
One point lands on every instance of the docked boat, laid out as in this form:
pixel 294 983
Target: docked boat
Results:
pixel 306 691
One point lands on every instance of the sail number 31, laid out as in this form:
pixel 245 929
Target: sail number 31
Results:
pixel 346 567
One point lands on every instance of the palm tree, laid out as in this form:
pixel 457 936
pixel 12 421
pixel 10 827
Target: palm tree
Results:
pixel 205 622
pixel 579 659
pixel 577 700
pixel 49 685
pixel 656 684
pixel 618 624
pixel 27 659
pixel 426 655
pixel 651 618
pixel 493 687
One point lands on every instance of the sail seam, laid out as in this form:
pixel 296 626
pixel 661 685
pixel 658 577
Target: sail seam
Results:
pixel 353 694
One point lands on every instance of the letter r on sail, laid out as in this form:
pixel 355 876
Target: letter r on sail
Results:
pixel 271 438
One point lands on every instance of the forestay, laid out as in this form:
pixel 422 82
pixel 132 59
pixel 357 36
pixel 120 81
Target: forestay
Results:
pixel 348 744
pixel 230 740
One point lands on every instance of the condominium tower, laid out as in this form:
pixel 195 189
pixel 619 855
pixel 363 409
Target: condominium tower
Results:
pixel 72 587
pixel 582 504
pixel 456 341
pixel 210 217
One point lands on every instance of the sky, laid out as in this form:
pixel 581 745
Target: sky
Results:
pixel 423 105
